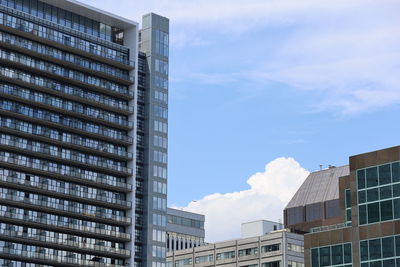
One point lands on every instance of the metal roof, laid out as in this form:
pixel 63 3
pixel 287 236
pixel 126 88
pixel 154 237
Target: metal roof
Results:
pixel 319 186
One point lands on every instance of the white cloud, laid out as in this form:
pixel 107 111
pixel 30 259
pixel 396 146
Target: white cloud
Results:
pixel 266 198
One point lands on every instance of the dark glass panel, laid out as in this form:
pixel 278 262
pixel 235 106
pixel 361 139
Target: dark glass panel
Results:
pixel 384 174
pixel 374 247
pixel 373 212
pixel 371 175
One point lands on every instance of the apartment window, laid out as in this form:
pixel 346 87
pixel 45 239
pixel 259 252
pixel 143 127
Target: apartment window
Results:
pixel 271 264
pixel 248 252
pixel 270 248
pixel 202 259
pixel 295 248
pixel 225 255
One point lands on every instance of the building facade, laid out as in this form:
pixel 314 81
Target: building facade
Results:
pixel 316 202
pixel 184 229
pixel 369 234
pixel 78 156
pixel 259 228
pixel 276 249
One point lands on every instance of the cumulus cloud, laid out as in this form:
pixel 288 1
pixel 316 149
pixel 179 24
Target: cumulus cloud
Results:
pixel 268 194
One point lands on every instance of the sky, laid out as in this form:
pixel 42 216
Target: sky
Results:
pixel 262 92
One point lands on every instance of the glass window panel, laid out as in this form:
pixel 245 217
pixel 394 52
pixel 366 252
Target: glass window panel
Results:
pixel 389 263
pixel 385 192
pixel 362 196
pixel 371 175
pixel 372 194
pixel 396 190
pixel 337 254
pixel 386 210
pixel 396 208
pixel 384 174
pixel 388 247
pixel 361 179
pixel 325 256
pixel 348 198
pixel 347 253
pixel 364 265
pixel 364 250
pixel 397 238
pixel 314 258
pixel 376 264
pixel 362 213
pixel 373 212
pixel 396 172
pixel 374 247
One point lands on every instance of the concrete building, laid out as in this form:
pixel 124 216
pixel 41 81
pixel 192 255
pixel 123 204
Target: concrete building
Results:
pixel 184 229
pixel 369 232
pixel 259 228
pixel 316 203
pixel 83 145
pixel 275 249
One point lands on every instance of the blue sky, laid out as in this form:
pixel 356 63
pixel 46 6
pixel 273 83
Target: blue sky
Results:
pixel 285 84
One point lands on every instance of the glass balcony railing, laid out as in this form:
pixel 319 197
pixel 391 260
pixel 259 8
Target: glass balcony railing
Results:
pixel 61 153
pixel 93 113
pixel 65 56
pixel 71 207
pixel 66 191
pixel 64 88
pixel 50 240
pixel 64 72
pixel 63 35
pixel 59 221
pixel 53 258
pixel 52 117
pixel 43 165
pixel 62 136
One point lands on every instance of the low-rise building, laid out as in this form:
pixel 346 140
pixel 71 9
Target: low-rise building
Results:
pixel 275 249
pixel 184 229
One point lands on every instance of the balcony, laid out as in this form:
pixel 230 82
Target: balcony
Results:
pixel 64 155
pixel 62 226
pixel 50 206
pixel 81 247
pixel 67 193
pixel 44 167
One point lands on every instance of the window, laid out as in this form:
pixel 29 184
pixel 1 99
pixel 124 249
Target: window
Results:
pixel 295 248
pixel 336 255
pixel 225 255
pixel 207 258
pixel 378 193
pixel 248 252
pixel 271 264
pixel 269 248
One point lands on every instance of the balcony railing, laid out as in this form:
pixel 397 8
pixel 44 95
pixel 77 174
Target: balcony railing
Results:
pixel 66 191
pixel 20 216
pixel 63 154
pixel 60 241
pixel 47 166
pixel 67 208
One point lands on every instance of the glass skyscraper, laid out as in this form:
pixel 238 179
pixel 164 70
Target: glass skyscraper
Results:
pixel 83 145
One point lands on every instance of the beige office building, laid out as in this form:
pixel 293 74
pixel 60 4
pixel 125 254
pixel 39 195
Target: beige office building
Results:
pixel 276 249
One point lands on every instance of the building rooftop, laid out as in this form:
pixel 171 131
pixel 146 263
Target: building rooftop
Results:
pixel 93 13
pixel 320 186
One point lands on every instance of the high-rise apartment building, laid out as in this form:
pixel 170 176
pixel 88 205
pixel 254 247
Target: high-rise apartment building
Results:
pixel 369 233
pixel 83 145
